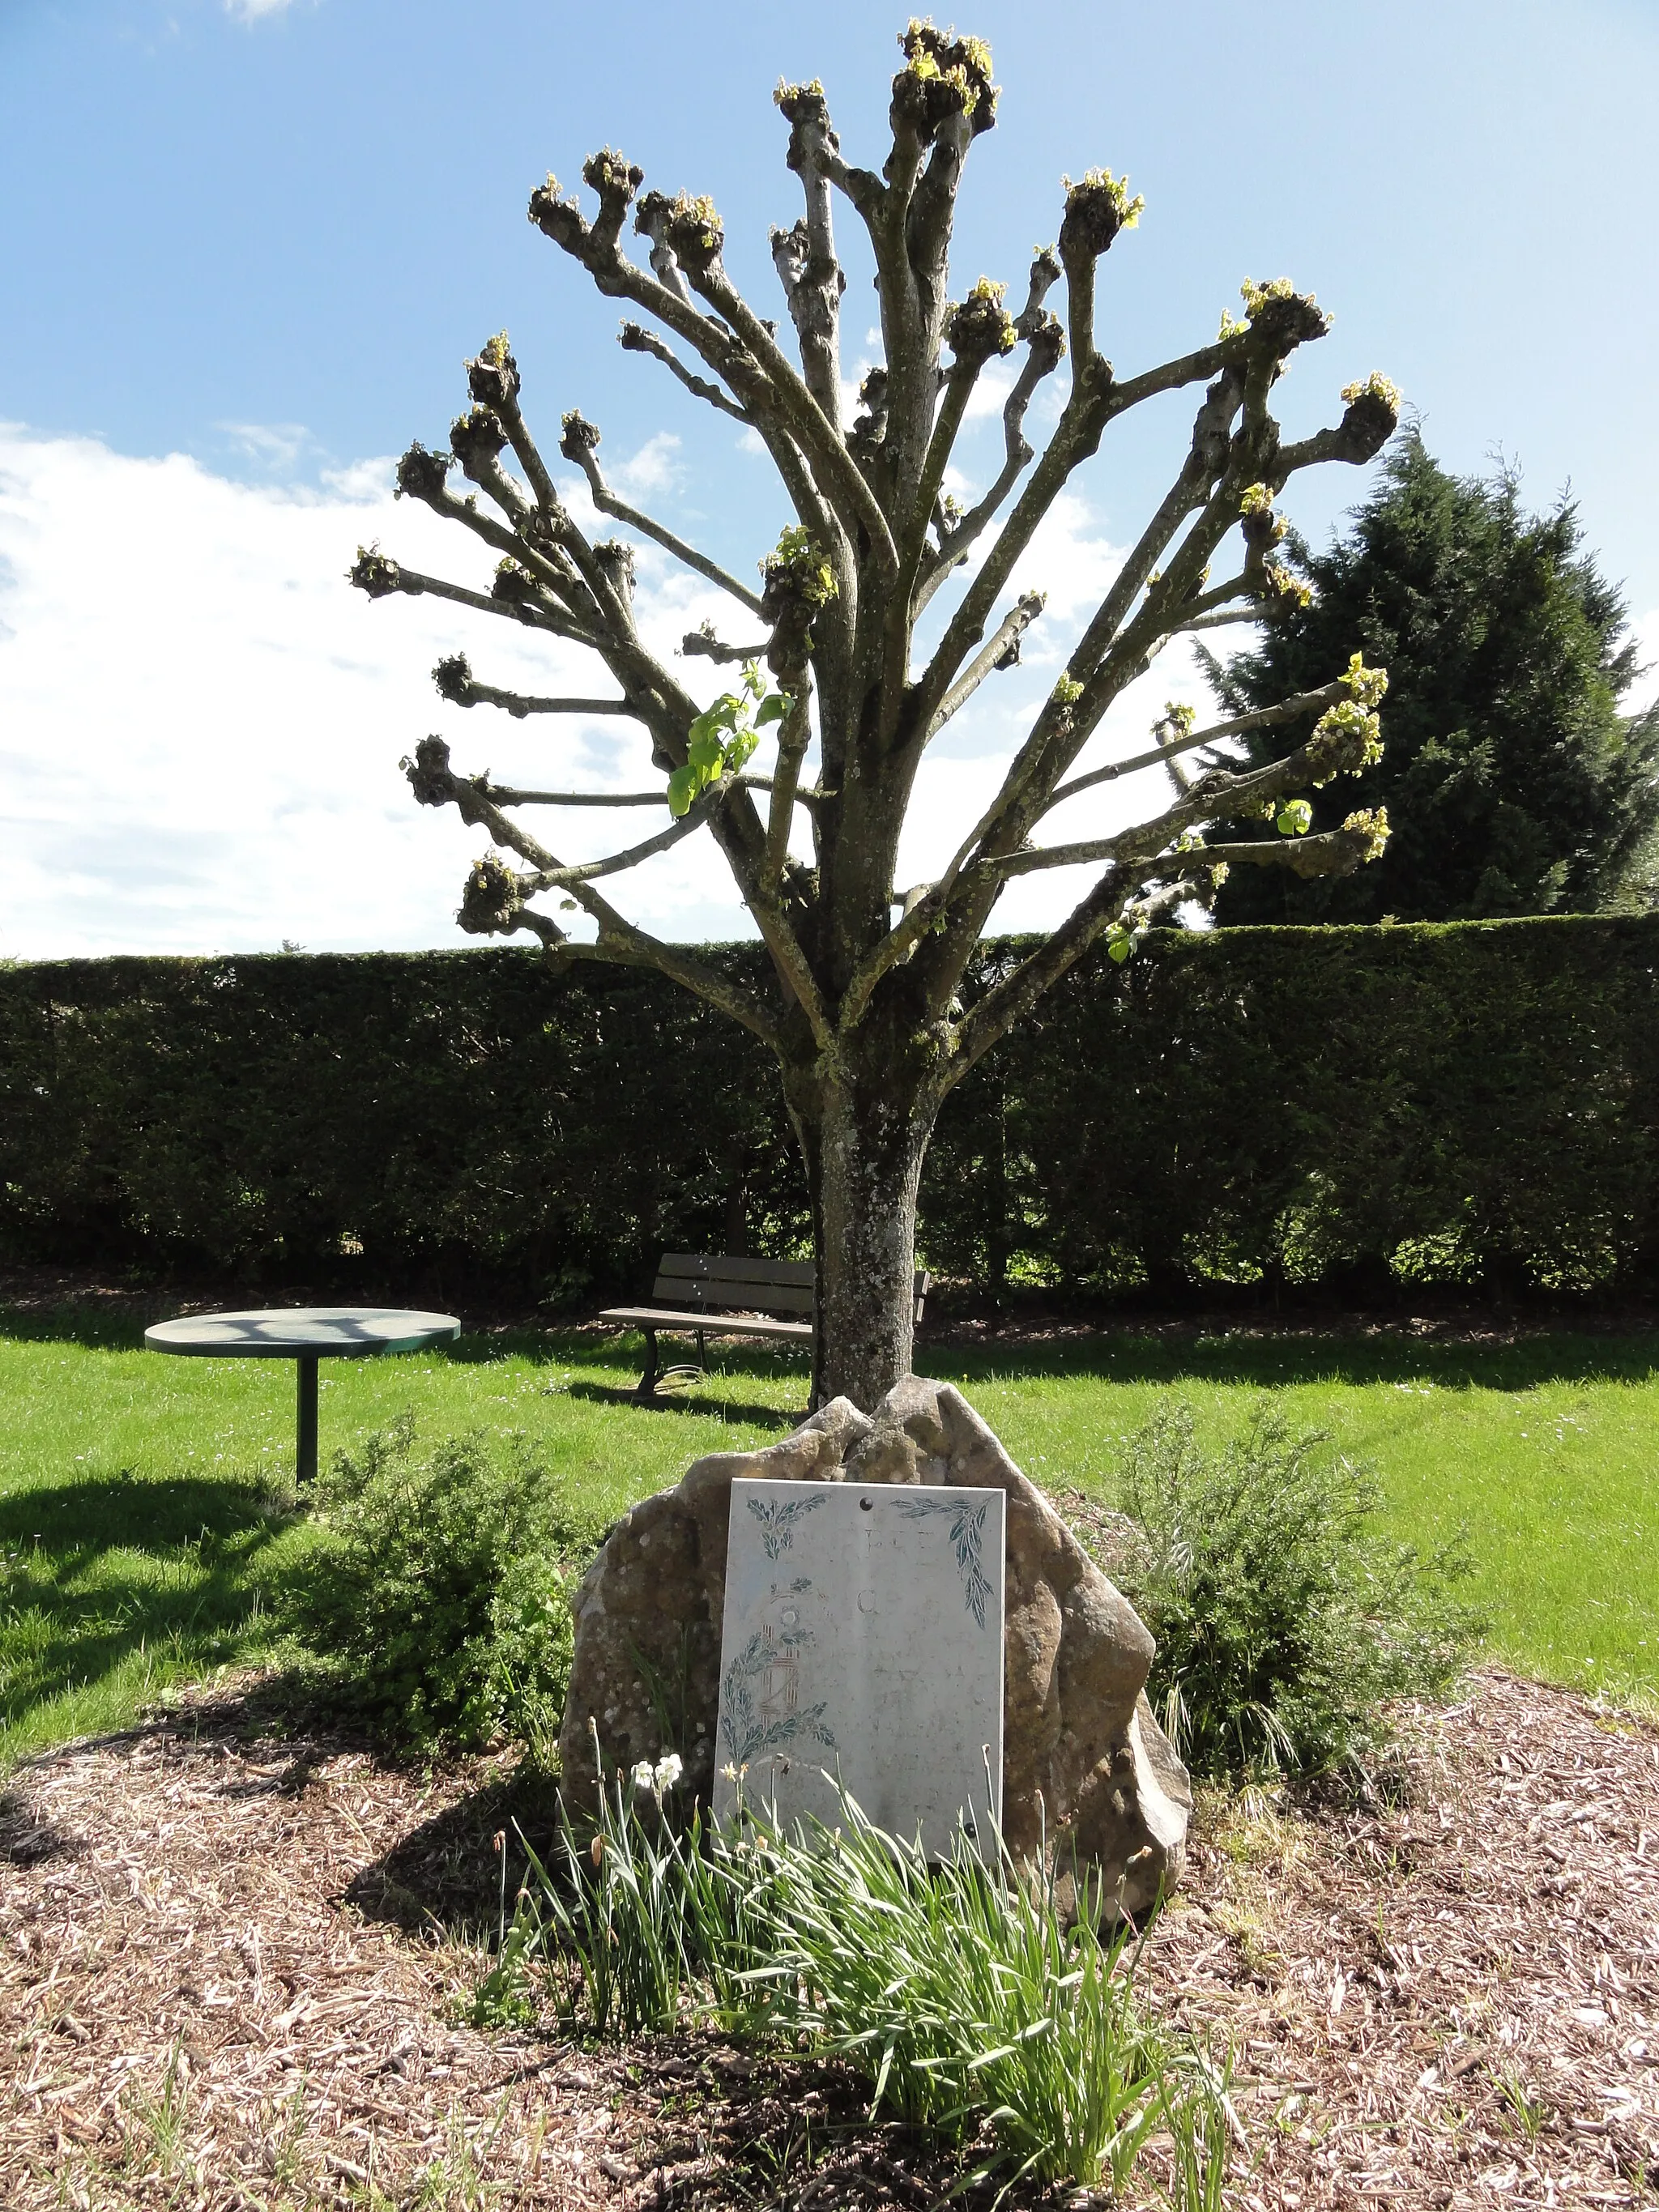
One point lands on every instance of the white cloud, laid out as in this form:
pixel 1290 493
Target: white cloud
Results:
pixel 654 468
pixel 249 11
pixel 277 446
pixel 990 393
pixel 201 721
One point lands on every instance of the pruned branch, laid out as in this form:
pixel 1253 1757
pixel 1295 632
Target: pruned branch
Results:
pixel 1001 652
pixel 812 275
pixel 1288 710
pixel 621 944
pixel 666 296
pixel 556 879
pixel 492 378
pixel 1115 648
pixel 457 684
pixel 502 794
pixel 702 644
pixel 633 337
pixel 1047 344
pixel 794 734
pixel 818 436
pixel 580 444
pixel 377 575
pixel 1224 619
pixel 1326 853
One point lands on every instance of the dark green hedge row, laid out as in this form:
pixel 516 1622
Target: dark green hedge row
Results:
pixel 1473 1103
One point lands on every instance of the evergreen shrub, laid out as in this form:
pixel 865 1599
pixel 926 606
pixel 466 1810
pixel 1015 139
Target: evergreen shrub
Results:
pixel 1285 1625
pixel 436 1599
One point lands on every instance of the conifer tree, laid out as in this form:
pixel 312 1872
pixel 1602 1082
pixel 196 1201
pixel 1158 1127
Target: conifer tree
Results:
pixel 1516 783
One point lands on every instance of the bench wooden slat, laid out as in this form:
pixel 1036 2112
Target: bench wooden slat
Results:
pixel 706 1324
pixel 743 1292
pixel 721 1267
pixel 728 1294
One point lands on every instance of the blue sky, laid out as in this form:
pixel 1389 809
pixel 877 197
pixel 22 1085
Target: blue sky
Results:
pixel 259 238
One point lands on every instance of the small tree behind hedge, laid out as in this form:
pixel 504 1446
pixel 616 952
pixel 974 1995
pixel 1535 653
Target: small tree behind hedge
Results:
pixel 1514 783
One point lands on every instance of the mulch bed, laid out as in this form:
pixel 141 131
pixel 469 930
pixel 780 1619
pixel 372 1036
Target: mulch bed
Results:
pixel 230 1966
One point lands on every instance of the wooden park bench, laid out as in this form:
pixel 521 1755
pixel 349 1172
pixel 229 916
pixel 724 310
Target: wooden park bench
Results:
pixel 704 1294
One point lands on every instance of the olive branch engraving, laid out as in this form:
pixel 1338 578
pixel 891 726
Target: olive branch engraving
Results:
pixel 746 1730
pixel 778 1518
pixel 967 1536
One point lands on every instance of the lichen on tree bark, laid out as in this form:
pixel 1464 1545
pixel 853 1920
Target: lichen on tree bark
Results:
pixel 864 1011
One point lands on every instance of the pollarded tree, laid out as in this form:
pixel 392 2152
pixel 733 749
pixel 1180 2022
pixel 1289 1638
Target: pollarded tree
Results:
pixel 862 1008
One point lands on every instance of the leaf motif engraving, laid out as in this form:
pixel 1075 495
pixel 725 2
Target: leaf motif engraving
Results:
pixel 967 1538
pixel 777 1518
pixel 747 1729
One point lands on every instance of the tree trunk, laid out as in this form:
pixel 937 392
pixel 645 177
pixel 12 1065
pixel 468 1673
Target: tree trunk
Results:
pixel 863 1143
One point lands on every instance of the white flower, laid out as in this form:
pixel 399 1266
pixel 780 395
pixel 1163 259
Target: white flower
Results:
pixel 670 1767
pixel 643 1777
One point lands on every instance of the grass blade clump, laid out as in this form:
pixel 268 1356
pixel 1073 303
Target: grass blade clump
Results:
pixel 960 1992
pixel 1284 1624
pixel 624 1913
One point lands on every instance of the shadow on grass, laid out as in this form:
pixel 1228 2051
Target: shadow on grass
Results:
pixel 97 1328
pixel 97 1572
pixel 703 1403
pixel 1274 1359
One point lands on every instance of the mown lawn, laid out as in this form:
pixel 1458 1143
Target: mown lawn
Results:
pixel 143 1500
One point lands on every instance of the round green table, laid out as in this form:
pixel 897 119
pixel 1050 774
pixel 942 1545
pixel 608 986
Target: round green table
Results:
pixel 304 1334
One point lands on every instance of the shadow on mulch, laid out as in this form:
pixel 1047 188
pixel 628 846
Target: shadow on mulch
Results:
pixel 444 1876
pixel 28 1842
pixel 730 2129
pixel 446 1873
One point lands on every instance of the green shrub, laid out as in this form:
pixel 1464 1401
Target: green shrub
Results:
pixel 1283 1625
pixel 435 1597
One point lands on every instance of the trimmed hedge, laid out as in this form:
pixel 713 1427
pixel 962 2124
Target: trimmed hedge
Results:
pixel 451 1118
pixel 1474 1103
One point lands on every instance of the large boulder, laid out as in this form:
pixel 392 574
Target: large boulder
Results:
pixel 1085 1763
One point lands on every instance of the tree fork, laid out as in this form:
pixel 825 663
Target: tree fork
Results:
pixel 863 1005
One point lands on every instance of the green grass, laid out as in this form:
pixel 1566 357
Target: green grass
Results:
pixel 142 1498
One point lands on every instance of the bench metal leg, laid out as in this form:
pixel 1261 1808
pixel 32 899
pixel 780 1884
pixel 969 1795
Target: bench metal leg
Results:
pixel 648 1380
pixel 305 1453
pixel 655 1372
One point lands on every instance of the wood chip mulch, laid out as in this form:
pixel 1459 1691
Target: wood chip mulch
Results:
pixel 231 1967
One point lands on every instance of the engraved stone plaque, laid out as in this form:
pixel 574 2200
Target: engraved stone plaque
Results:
pixel 862 1640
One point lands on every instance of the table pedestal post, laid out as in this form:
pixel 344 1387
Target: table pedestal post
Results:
pixel 304 1455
